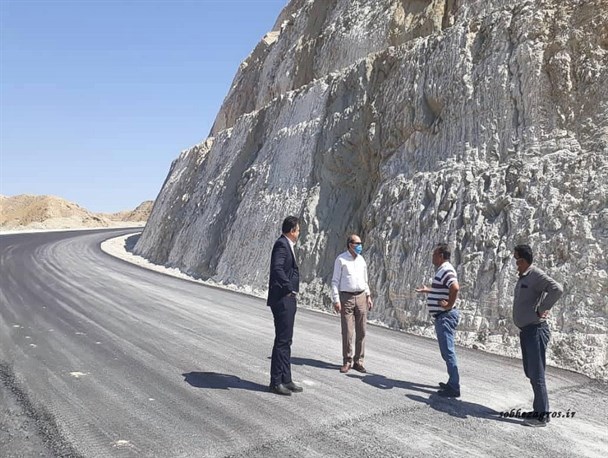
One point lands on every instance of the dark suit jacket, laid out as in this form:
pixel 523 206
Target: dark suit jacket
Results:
pixel 284 273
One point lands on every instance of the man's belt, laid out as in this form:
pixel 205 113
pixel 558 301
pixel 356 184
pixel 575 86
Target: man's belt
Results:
pixel 354 293
pixel 443 312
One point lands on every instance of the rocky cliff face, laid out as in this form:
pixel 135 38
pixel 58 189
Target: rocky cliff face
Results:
pixel 479 123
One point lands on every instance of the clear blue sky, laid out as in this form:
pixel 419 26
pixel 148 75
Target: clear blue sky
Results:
pixel 98 97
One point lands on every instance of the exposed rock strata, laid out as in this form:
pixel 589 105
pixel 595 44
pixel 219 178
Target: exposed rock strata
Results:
pixel 481 123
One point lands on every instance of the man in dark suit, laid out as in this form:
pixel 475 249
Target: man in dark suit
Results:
pixel 283 288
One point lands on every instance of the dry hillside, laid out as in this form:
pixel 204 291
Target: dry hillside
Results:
pixel 141 213
pixel 51 212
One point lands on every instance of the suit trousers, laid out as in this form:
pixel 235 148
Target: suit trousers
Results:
pixel 284 313
pixel 353 316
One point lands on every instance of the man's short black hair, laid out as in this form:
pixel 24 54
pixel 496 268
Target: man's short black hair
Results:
pixel 290 223
pixel 444 250
pixel 524 252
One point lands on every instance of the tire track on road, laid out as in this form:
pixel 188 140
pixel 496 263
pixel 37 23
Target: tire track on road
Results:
pixel 44 422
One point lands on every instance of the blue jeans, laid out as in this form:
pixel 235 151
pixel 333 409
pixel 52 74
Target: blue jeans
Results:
pixel 445 327
pixel 534 339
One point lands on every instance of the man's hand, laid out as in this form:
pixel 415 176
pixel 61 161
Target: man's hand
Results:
pixel 444 304
pixel 543 315
pixel 370 303
pixel 337 307
pixel 423 289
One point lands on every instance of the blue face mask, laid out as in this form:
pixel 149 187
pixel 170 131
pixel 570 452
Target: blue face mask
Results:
pixel 358 249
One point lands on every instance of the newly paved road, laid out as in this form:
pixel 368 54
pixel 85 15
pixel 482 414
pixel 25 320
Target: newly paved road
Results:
pixel 101 358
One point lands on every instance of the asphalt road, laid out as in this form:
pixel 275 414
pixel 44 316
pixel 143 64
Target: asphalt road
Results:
pixel 101 358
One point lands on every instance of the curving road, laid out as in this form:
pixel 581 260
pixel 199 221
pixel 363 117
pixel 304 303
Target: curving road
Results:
pixel 101 358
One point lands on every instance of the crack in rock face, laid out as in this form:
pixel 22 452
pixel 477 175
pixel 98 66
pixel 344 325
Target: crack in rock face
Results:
pixel 483 124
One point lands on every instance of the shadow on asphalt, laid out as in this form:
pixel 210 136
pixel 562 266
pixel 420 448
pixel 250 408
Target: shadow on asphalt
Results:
pixel 453 407
pixel 385 383
pixel 216 381
pixel 314 363
pixel 460 409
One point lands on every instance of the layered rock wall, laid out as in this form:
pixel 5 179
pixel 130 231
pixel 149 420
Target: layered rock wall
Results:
pixel 480 123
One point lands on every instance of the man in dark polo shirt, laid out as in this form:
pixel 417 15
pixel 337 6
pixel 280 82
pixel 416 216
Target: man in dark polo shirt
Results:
pixel 535 294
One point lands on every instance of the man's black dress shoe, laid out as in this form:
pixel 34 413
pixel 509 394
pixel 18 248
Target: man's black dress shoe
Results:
pixel 280 389
pixel 443 385
pixel 448 393
pixel 359 367
pixel 535 423
pixel 293 387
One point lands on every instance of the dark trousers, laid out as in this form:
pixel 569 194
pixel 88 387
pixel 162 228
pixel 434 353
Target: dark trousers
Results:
pixel 534 339
pixel 284 313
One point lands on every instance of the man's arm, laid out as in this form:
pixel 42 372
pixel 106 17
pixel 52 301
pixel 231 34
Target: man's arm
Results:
pixel 277 264
pixel 335 284
pixel 454 288
pixel 553 292
pixel 368 294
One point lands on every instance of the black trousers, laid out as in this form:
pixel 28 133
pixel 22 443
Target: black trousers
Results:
pixel 534 339
pixel 284 313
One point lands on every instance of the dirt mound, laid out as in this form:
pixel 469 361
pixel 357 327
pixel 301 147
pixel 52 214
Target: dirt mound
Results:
pixel 141 213
pixel 50 212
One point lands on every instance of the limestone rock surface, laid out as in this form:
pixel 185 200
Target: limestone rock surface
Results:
pixel 479 123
